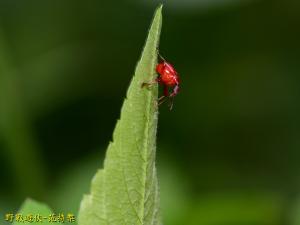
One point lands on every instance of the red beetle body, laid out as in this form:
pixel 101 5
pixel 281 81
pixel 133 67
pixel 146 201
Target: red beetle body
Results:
pixel 168 75
pixel 168 78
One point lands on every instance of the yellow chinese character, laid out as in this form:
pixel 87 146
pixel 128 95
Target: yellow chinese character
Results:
pixel 9 217
pixel 29 218
pixel 38 218
pixel 19 218
pixel 70 217
pixel 52 218
pixel 61 218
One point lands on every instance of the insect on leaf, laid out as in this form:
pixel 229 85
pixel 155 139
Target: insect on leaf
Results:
pixel 125 191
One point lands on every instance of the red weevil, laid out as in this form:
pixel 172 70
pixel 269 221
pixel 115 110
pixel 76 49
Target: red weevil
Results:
pixel 168 78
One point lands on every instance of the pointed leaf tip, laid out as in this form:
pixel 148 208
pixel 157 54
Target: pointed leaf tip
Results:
pixel 126 190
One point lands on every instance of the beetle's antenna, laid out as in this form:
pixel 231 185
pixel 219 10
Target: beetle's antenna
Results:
pixel 171 103
pixel 161 58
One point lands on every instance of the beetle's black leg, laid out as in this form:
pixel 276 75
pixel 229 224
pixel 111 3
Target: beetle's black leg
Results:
pixel 175 91
pixel 166 91
pixel 149 84
pixel 161 100
pixel 171 103
pixel 172 95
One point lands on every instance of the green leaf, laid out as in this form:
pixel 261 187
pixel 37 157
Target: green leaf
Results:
pixel 126 192
pixel 31 207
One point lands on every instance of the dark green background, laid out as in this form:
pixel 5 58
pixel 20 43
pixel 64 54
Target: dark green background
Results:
pixel 228 153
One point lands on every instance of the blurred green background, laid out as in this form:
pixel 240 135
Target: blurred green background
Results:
pixel 228 153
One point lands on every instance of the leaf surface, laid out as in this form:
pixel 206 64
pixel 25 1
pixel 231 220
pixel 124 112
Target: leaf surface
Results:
pixel 126 192
pixel 31 207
